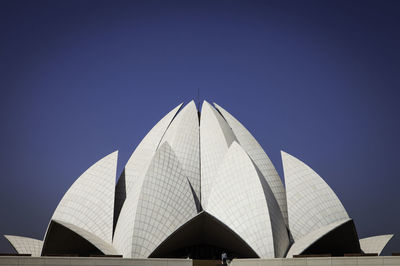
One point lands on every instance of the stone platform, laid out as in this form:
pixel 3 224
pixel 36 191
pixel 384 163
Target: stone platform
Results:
pixel 80 261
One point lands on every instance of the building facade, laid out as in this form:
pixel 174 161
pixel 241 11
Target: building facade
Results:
pixel 197 185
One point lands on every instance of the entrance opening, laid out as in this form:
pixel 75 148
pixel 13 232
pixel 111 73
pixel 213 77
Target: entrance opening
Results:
pixel 203 237
pixel 62 241
pixel 340 241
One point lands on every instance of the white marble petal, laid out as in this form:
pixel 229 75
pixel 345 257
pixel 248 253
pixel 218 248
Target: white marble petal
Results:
pixel 183 136
pixel 260 159
pixel 25 245
pixel 238 199
pixel 312 204
pixel 136 167
pixel 89 202
pixel 374 244
pixel 215 138
pixel 164 203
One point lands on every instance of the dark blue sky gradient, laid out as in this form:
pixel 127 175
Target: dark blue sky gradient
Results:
pixel 318 79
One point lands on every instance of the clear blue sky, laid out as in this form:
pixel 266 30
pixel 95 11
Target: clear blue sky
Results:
pixel 318 79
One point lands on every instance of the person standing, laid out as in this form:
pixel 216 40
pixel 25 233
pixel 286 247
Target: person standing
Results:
pixel 224 257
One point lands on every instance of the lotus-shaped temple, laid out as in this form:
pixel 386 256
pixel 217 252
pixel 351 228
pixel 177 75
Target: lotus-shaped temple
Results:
pixel 197 185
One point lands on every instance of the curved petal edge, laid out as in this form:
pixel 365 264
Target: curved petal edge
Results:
pixel 374 244
pixel 164 203
pixel 25 245
pixel 215 139
pixel 302 244
pixel 132 176
pixel 312 204
pixel 89 202
pixel 238 199
pixel 259 158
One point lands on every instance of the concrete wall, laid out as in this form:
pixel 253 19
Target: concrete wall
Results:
pixel 327 261
pixel 74 261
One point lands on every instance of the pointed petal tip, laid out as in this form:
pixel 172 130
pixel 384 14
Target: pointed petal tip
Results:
pixel 287 155
pixel 178 107
pixel 390 236
pixel 206 105
pixel 113 155
pixel 191 104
